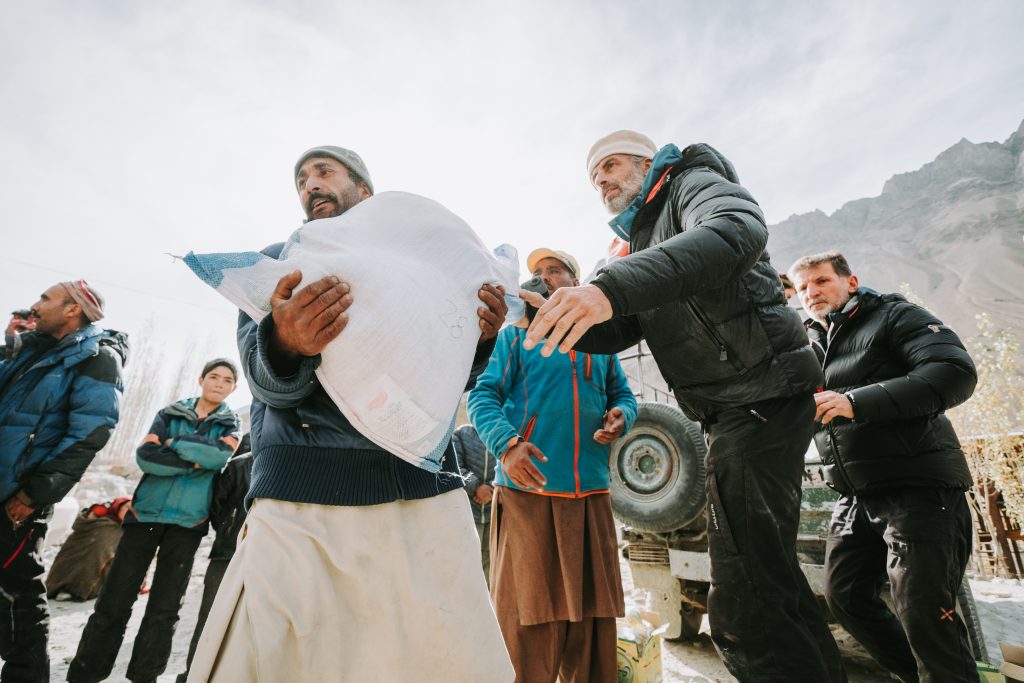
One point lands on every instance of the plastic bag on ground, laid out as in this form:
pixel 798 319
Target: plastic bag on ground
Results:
pixel 399 368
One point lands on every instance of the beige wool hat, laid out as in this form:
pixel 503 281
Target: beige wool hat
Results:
pixel 537 254
pixel 620 142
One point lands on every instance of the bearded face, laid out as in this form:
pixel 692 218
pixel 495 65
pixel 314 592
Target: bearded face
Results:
pixel 619 178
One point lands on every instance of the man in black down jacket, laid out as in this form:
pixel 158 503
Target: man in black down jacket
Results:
pixel 699 287
pixel 477 465
pixel 891 369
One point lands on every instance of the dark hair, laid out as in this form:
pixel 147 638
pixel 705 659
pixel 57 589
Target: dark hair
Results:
pixel 220 363
pixel 835 257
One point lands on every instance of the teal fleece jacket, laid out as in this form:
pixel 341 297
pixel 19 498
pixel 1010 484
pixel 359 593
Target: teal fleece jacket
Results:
pixel 179 459
pixel 555 403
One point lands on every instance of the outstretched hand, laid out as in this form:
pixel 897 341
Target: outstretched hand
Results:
pixel 614 423
pixel 518 466
pixel 566 317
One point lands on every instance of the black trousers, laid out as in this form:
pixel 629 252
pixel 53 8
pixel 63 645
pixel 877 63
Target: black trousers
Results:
pixel 211 584
pixel 920 540
pixel 26 625
pixel 105 629
pixel 765 621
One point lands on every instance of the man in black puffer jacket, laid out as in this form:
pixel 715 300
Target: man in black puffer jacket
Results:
pixel 699 287
pixel 891 369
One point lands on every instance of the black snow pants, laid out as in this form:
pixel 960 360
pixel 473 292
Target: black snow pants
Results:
pixel 765 620
pixel 26 624
pixel 920 540
pixel 211 584
pixel 105 629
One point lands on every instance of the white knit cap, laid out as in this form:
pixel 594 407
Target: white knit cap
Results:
pixel 620 142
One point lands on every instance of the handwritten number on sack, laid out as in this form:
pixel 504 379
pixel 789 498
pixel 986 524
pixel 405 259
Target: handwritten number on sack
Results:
pixel 452 320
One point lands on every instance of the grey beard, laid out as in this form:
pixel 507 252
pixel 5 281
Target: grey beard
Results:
pixel 629 190
pixel 618 204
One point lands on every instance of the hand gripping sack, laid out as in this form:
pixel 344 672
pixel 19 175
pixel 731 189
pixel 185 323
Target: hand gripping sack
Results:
pixel 398 369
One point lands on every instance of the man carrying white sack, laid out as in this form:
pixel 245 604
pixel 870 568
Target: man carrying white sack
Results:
pixel 353 564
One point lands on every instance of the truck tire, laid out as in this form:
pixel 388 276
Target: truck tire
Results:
pixel 969 613
pixel 692 617
pixel 657 471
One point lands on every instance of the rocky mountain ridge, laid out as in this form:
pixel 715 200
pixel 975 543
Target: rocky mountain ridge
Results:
pixel 952 230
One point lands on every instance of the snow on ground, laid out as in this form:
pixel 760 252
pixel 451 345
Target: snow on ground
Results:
pixel 1001 609
pixel 67 620
pixel 1000 605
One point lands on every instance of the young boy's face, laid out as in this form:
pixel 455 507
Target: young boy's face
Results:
pixel 217 384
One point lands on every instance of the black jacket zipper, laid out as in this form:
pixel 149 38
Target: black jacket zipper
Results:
pixel 713 333
pixel 831 434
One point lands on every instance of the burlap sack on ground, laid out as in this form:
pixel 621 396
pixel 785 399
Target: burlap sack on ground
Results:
pixel 82 562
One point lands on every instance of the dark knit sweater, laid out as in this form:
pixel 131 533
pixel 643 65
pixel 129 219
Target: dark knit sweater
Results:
pixel 306 451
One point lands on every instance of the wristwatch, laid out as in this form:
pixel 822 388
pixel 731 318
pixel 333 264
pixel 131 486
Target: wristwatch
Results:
pixel 514 441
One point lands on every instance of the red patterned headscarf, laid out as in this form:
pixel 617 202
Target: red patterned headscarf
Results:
pixel 81 294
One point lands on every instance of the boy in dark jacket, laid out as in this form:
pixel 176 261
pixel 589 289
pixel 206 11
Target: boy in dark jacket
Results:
pixel 892 369
pixel 477 465
pixel 189 442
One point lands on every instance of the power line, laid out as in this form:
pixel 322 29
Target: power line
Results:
pixel 114 285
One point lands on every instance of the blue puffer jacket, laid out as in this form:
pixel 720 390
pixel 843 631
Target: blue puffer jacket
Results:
pixel 59 402
pixel 180 457
pixel 555 403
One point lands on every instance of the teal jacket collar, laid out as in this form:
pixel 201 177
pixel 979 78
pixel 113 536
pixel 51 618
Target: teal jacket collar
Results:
pixel 667 157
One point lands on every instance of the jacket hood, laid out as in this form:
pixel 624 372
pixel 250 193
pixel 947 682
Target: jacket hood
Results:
pixel 670 163
pixel 116 342
pixel 82 344
pixel 704 155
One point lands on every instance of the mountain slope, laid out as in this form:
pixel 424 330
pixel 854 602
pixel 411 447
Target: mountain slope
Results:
pixel 952 229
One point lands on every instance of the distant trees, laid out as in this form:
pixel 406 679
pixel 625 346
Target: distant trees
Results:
pixel 153 377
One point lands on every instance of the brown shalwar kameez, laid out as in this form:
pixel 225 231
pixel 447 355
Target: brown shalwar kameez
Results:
pixel 555 584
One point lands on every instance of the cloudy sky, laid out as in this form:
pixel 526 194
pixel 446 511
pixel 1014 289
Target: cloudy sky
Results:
pixel 130 129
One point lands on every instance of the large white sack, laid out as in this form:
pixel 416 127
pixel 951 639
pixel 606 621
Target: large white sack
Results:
pixel 398 369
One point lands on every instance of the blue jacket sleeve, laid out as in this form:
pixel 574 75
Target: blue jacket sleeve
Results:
pixel 492 388
pixel 95 405
pixel 619 394
pixel 264 383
